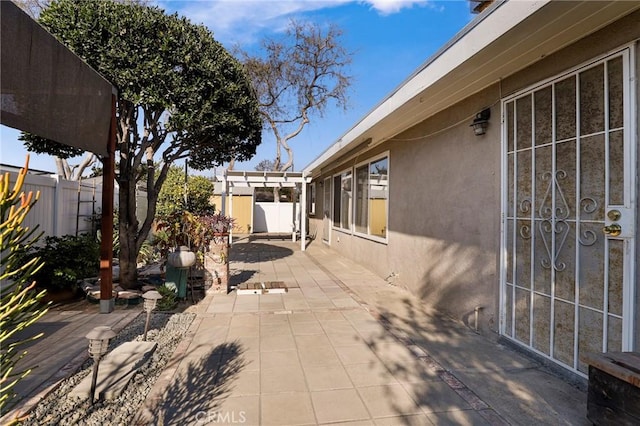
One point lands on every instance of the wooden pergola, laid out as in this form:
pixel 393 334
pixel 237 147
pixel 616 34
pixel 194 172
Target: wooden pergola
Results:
pixel 257 179
pixel 49 91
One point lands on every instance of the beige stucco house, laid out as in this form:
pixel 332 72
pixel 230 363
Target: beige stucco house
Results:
pixel 533 223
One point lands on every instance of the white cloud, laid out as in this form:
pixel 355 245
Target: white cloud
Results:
pixel 387 7
pixel 240 21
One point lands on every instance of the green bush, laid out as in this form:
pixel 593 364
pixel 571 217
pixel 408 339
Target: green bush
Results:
pixel 67 259
pixel 169 298
pixel 171 197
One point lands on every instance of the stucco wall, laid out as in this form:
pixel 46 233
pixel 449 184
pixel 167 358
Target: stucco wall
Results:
pixel 444 194
pixel 444 218
pixel 444 213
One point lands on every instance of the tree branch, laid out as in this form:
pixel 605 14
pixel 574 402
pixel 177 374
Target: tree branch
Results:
pixel 88 159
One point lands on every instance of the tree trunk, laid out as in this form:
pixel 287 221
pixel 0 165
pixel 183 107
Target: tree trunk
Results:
pixel 128 233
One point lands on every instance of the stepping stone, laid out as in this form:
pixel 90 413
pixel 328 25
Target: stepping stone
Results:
pixel 249 288
pixel 116 369
pixel 274 287
pixel 266 287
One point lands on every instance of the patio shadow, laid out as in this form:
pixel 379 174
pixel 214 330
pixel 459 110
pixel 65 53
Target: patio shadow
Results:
pixel 203 386
pixel 254 252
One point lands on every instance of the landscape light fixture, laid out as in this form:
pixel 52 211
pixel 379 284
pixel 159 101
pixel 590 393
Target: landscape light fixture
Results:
pixel 150 300
pixel 98 344
pixel 481 122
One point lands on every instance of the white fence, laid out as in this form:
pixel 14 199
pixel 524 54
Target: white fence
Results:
pixel 275 217
pixel 67 207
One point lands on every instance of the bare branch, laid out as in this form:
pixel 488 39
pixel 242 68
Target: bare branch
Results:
pixel 298 77
pixel 88 160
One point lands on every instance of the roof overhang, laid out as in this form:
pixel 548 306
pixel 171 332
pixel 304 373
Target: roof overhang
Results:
pixel 47 90
pixel 506 38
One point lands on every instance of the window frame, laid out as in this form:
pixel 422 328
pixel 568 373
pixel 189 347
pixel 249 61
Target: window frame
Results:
pixel 337 195
pixel 368 163
pixel 311 199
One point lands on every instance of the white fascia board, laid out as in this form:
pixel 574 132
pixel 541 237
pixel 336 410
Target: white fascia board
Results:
pixel 254 179
pixel 496 22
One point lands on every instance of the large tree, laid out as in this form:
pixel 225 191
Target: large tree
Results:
pixel 180 95
pixel 297 76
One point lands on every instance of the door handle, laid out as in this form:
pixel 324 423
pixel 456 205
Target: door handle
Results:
pixel 612 230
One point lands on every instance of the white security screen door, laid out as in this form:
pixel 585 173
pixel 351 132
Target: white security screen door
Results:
pixel 569 162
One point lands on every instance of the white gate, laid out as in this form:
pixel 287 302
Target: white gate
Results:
pixel 275 217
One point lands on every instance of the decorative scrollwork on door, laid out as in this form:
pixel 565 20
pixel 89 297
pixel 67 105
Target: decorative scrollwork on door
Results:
pixel 553 225
pixel 588 204
pixel 525 206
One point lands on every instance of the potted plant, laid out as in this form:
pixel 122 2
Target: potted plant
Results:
pixel 173 231
pixel 207 236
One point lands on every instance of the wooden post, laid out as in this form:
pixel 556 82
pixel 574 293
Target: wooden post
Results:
pixel 106 229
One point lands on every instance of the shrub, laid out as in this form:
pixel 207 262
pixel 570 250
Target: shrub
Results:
pixel 67 260
pixel 171 197
pixel 188 229
pixel 169 298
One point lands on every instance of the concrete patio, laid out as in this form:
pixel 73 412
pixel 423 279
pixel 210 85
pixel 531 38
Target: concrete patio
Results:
pixel 342 346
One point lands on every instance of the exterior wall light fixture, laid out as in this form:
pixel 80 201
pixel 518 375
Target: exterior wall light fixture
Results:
pixel 481 122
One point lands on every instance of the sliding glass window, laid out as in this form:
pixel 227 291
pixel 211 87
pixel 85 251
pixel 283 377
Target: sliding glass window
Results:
pixel 372 194
pixel 342 200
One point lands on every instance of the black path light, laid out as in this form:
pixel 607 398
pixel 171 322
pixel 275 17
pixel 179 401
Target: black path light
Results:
pixel 150 301
pixel 98 343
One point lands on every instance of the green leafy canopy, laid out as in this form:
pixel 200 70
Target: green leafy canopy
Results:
pixel 168 66
pixel 180 95
pixel 172 195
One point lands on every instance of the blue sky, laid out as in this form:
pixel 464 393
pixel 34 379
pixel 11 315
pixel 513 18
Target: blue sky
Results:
pixel 389 38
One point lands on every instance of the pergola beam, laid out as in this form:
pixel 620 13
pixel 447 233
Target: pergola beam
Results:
pixel 267 179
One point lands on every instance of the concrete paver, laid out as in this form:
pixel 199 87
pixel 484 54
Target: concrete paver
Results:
pixel 339 405
pixel 341 347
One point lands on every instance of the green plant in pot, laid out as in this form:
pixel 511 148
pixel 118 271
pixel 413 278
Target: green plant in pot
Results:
pixel 186 229
pixel 175 232
pixel 215 226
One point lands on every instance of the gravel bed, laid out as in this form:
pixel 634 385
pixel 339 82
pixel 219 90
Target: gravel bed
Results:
pixel 58 408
